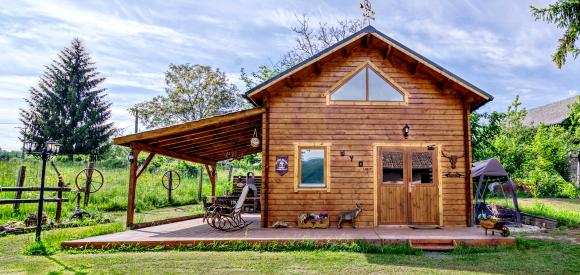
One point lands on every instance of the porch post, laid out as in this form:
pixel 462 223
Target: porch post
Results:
pixel 211 172
pixel 132 186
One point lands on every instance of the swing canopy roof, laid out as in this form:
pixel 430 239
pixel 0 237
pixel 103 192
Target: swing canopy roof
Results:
pixel 489 167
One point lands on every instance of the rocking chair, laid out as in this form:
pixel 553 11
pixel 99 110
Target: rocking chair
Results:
pixel 225 217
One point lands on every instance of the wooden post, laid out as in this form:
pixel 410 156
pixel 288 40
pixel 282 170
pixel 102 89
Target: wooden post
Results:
pixel 20 183
pixel 211 172
pixel 89 175
pixel 59 202
pixel 132 187
pixel 200 185
pixel 169 185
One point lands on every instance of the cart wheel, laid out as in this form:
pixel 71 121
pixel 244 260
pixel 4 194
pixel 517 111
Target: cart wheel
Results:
pixel 505 231
pixel 176 179
pixel 97 180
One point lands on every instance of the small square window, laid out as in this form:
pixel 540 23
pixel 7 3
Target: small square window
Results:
pixel 312 167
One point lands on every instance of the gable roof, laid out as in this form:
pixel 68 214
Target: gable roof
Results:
pixel 355 36
pixel 549 114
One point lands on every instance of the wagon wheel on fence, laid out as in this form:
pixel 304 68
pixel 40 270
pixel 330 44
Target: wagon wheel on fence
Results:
pixel 176 179
pixel 97 180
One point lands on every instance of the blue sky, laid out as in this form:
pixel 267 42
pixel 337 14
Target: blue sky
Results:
pixel 496 45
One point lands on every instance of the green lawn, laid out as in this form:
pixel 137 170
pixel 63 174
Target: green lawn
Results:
pixel 565 211
pixel 530 257
pixel 111 198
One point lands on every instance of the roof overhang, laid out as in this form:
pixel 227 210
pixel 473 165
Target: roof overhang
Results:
pixel 203 141
pixel 253 94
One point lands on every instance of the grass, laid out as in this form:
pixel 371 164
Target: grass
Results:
pixel 360 247
pixel 528 257
pixel 112 197
pixel 52 240
pixel 565 211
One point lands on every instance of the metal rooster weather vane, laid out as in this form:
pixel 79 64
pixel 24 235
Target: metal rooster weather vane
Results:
pixel 367 10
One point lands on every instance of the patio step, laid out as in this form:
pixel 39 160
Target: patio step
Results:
pixel 433 245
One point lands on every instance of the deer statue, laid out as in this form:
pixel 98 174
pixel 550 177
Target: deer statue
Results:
pixel 349 216
pixel 452 159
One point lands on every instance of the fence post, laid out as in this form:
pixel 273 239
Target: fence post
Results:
pixel 20 183
pixel 89 175
pixel 59 202
pixel 199 184
pixel 169 185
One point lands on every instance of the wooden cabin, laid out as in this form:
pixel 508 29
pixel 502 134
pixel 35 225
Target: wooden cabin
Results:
pixel 365 121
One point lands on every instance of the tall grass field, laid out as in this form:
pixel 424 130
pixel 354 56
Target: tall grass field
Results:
pixel 113 195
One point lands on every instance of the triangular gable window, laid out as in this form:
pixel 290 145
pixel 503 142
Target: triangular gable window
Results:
pixel 367 85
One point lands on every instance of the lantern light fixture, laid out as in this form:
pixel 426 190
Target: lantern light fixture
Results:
pixel 28 146
pixel 255 141
pixel 406 130
pixel 131 157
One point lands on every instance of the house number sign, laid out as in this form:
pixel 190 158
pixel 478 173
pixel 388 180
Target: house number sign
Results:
pixel 281 165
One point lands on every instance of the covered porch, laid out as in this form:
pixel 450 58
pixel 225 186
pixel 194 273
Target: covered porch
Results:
pixel 196 232
pixel 206 141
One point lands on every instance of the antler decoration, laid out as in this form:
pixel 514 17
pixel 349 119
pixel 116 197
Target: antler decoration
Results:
pixel 452 159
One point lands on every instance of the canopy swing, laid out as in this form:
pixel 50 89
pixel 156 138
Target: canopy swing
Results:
pixel 491 179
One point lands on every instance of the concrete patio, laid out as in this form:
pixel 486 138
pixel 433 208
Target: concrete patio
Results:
pixel 193 232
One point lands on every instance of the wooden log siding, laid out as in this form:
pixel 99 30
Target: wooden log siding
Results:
pixel 300 114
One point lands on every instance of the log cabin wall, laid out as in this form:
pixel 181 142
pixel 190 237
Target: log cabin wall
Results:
pixel 298 113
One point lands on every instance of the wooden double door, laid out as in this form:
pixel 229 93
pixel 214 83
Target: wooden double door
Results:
pixel 408 191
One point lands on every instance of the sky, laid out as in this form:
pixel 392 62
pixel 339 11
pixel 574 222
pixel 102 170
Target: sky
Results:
pixel 496 45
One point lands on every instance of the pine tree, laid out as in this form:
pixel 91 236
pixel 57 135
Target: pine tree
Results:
pixel 69 106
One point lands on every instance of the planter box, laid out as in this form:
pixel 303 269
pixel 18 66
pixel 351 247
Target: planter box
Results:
pixel 324 223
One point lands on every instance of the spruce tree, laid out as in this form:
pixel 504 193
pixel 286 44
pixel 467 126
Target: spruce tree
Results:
pixel 69 105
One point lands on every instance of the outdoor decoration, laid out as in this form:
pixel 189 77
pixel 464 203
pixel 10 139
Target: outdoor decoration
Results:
pixel 255 141
pixel 349 216
pixel 406 130
pixel 168 179
pixel 281 165
pixel 280 224
pixel 88 181
pixel 491 223
pixel 452 159
pixel 453 175
pixel 312 220
pixel 79 213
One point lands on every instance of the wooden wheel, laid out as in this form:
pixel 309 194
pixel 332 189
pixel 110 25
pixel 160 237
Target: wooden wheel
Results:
pixel 97 180
pixel 175 177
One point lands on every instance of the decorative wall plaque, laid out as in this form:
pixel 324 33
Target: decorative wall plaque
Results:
pixel 281 165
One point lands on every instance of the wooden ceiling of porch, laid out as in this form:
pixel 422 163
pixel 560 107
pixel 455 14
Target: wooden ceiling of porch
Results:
pixel 204 141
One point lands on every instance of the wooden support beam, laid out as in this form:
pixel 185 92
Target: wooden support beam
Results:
pixel 346 52
pixel 443 84
pixel 317 68
pixel 414 67
pixel 132 186
pixel 169 153
pixel 211 172
pixel 145 164
pixel 289 81
pixel 366 41
pixel 387 52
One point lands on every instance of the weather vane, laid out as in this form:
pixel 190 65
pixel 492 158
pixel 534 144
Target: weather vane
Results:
pixel 367 10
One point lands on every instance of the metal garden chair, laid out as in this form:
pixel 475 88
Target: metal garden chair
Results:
pixel 226 218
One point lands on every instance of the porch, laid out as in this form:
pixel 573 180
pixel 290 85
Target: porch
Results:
pixel 195 232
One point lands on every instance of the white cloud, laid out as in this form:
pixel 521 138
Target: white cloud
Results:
pixel 573 92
